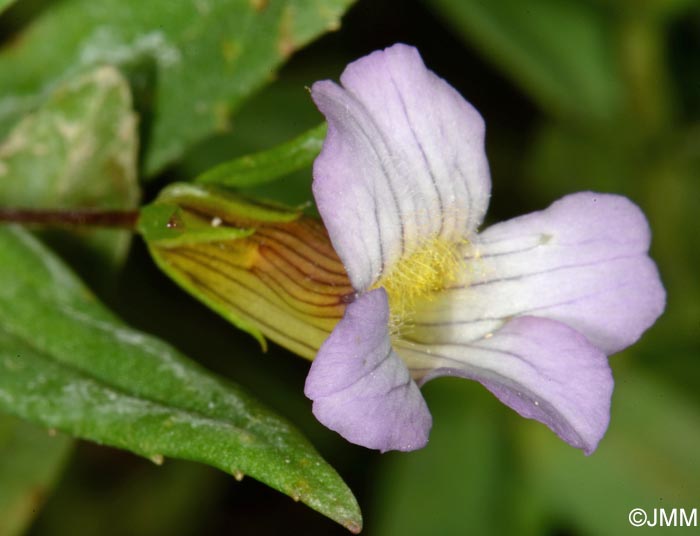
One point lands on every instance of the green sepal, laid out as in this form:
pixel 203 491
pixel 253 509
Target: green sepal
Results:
pixel 226 204
pixel 188 214
pixel 169 226
pixel 267 166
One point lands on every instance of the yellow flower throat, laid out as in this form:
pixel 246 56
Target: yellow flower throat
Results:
pixel 419 276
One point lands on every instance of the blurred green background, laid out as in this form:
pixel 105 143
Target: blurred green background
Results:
pixel 577 95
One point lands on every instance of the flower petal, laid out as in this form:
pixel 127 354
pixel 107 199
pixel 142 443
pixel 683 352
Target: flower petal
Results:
pixel 403 161
pixel 361 388
pixel 583 261
pixel 542 369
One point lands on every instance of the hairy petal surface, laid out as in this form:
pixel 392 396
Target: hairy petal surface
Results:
pixel 403 162
pixel 583 261
pixel 360 387
pixel 541 368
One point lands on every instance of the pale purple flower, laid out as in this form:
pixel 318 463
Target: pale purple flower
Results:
pixel 530 307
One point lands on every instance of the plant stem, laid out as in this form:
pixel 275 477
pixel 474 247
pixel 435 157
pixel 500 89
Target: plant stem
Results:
pixel 120 219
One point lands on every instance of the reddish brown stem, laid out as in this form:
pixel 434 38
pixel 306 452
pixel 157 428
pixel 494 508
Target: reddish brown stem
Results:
pixel 120 219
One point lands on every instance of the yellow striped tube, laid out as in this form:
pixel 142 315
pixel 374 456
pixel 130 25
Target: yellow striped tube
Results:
pixel 269 270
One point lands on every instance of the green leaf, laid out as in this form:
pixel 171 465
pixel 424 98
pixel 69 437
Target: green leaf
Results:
pixel 30 461
pixel 561 51
pixel 78 149
pixel 67 363
pixel 191 63
pixel 270 165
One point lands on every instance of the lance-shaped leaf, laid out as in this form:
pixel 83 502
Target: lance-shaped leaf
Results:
pixel 269 270
pixel 270 165
pixel 30 461
pixel 78 149
pixel 192 62
pixel 67 363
